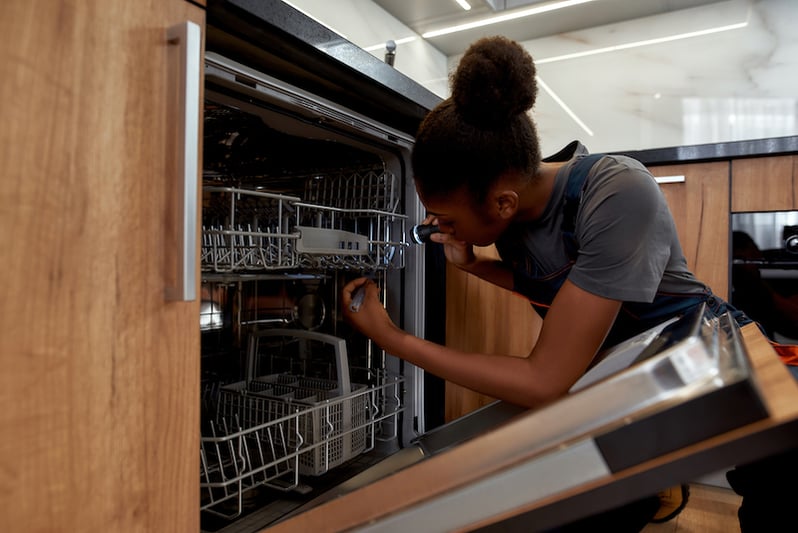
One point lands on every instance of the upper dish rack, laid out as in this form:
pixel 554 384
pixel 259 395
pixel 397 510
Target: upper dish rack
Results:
pixel 343 221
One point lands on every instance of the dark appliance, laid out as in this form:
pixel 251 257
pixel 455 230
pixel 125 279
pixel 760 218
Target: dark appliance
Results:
pixel 765 271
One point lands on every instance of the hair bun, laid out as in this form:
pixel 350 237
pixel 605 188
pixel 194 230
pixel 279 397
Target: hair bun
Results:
pixel 494 81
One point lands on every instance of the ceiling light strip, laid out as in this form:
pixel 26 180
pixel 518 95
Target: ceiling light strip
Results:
pixel 465 5
pixel 504 18
pixel 563 106
pixel 637 44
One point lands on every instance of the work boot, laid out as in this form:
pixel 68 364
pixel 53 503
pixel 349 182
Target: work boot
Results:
pixel 672 501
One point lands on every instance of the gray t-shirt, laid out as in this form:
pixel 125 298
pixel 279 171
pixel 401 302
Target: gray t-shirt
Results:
pixel 628 248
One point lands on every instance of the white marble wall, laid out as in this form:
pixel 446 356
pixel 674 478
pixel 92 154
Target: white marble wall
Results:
pixel 731 85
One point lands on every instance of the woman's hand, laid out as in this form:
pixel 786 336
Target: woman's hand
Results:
pixel 370 318
pixel 458 253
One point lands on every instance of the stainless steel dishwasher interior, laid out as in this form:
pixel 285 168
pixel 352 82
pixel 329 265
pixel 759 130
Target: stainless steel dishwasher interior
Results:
pixel 299 196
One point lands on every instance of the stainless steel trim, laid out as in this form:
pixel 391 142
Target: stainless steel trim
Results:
pixel 415 311
pixel 188 36
pixel 220 67
pixel 538 478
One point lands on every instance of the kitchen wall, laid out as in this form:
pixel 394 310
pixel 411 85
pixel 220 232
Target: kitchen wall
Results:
pixel 367 25
pixel 721 72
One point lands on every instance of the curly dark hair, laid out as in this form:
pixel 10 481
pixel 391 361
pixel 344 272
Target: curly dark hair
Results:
pixel 482 130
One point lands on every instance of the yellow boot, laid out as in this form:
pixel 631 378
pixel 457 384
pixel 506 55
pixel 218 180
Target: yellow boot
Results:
pixel 672 501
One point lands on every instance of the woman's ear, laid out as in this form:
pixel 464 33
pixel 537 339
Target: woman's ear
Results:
pixel 507 202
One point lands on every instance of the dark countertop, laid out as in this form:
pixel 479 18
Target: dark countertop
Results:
pixel 716 151
pixel 275 38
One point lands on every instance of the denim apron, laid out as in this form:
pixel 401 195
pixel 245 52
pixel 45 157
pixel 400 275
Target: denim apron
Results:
pixel 635 317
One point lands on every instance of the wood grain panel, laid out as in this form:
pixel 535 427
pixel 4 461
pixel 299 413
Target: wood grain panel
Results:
pixel 100 381
pixel 764 184
pixel 700 208
pixel 481 317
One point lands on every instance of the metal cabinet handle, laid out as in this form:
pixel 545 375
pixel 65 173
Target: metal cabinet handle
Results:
pixel 187 35
pixel 670 179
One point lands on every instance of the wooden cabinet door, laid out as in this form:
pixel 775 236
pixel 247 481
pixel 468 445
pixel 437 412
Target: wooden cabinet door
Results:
pixel 700 208
pixel 481 317
pixel 765 184
pixel 100 374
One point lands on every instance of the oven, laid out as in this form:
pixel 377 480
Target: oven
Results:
pixel 764 272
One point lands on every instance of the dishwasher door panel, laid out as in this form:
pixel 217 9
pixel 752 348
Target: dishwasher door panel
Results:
pixel 694 383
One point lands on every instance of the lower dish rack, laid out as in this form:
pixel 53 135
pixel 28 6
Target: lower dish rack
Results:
pixel 236 456
pixel 271 429
pixel 331 428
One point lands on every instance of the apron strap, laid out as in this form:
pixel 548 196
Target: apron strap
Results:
pixel 573 197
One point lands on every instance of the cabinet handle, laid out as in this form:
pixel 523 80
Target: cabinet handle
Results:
pixel 669 179
pixel 186 35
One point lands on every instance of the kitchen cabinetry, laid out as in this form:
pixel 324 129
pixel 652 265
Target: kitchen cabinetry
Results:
pixel 765 184
pixel 100 373
pixel 700 207
pixel 481 317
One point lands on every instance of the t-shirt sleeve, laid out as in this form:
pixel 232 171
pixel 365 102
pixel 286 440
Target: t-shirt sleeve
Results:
pixel 624 232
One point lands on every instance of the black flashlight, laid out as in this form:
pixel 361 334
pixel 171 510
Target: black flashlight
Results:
pixel 421 233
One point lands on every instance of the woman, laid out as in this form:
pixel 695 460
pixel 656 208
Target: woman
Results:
pixel 597 254
pixel 588 239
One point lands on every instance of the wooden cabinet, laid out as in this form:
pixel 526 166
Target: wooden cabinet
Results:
pixel 765 184
pixel 100 380
pixel 482 317
pixel 700 207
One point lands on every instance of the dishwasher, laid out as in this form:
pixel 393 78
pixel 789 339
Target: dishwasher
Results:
pixel 299 196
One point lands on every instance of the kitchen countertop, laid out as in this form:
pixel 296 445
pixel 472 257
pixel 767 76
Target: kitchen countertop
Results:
pixel 716 151
pixel 283 42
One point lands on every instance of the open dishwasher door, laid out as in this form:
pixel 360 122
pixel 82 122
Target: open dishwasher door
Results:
pixel 610 442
